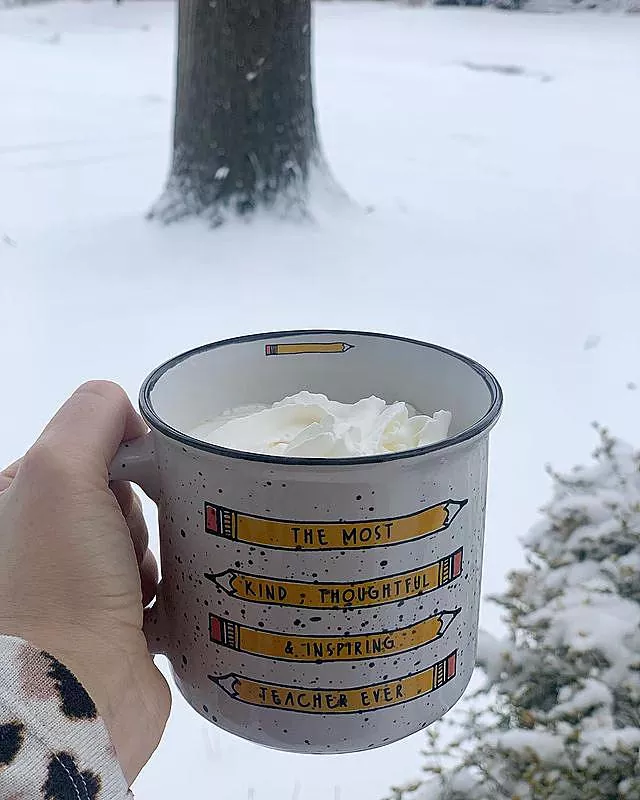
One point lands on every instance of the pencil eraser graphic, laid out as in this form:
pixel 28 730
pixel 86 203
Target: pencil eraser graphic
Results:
pixel 457 563
pixel 211 519
pixel 215 628
pixel 452 664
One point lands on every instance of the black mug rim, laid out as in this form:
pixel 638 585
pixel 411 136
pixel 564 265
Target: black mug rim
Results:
pixel 479 427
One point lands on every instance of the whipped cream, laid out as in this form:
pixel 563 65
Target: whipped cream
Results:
pixel 308 425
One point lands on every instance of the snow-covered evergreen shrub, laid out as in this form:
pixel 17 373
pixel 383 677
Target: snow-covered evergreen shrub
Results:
pixel 559 716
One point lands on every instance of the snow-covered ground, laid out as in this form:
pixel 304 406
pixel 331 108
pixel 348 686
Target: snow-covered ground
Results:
pixel 503 222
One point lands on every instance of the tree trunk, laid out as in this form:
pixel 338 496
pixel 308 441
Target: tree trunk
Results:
pixel 244 134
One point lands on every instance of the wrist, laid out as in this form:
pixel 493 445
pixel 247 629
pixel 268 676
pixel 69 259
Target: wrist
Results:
pixel 125 687
pixel 130 694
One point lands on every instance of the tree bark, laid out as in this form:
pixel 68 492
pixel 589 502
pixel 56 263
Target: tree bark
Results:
pixel 244 134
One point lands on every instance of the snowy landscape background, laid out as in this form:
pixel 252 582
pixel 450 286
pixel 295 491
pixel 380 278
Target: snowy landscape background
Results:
pixel 493 163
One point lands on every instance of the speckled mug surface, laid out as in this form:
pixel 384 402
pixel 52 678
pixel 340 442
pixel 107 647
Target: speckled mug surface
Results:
pixel 316 605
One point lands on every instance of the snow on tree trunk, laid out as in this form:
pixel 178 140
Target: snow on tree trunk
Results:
pixel 244 133
pixel 559 717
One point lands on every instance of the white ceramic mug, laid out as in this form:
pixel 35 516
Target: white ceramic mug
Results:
pixel 316 606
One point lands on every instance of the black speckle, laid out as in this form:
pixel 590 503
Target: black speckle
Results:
pixel 371 508
pixel 238 564
pixel 11 739
pixel 261 624
pixel 205 709
pixel 220 491
pixel 383 563
pixel 315 619
pixel 358 497
pixel 182 533
pixel 184 660
pixel 296 621
pixel 75 703
pixel 66 782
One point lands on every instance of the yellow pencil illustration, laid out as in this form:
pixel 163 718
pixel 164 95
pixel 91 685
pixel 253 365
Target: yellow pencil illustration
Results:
pixel 297 535
pixel 306 347
pixel 339 701
pixel 258 589
pixel 328 648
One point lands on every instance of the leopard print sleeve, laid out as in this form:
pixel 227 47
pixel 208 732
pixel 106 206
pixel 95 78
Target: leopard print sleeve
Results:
pixel 53 744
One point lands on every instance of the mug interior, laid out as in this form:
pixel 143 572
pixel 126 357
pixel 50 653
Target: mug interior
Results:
pixel 196 386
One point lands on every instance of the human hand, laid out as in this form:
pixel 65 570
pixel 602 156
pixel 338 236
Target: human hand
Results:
pixel 75 569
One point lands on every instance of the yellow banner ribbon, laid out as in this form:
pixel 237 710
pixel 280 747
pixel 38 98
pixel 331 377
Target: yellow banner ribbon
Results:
pixel 328 648
pixel 339 701
pixel 294 535
pixel 257 589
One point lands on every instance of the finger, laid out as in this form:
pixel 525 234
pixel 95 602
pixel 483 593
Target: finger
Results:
pixel 7 475
pixel 124 494
pixel 148 578
pixel 131 508
pixel 93 423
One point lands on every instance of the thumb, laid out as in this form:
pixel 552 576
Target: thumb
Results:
pixel 93 423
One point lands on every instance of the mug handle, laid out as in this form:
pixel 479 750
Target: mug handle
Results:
pixel 136 461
